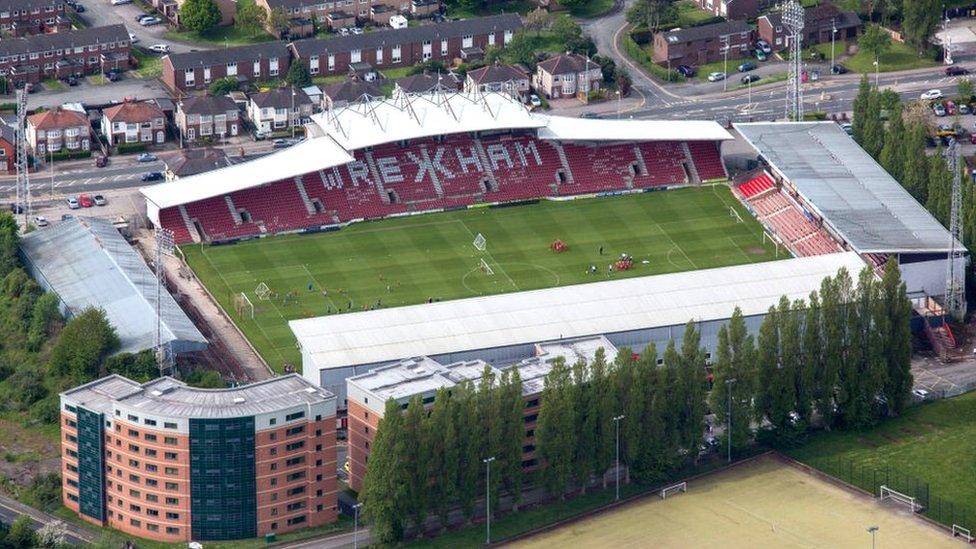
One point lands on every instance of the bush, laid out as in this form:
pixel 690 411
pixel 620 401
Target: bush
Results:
pixel 44 492
pixel 223 86
pixel 638 54
pixel 128 148
pixel 205 379
pixel 69 155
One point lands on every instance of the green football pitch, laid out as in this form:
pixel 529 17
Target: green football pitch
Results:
pixel 411 260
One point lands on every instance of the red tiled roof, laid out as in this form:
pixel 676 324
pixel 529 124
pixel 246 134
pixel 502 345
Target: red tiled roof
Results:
pixel 133 112
pixel 57 118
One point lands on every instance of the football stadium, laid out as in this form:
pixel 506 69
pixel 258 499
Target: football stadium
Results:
pixel 535 228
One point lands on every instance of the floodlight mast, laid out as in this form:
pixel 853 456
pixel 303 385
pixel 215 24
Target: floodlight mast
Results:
pixel 793 17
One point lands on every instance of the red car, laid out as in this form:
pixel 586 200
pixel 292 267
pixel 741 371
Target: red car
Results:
pixel 950 108
pixel 85 201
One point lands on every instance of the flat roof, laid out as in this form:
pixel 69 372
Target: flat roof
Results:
pixel 592 129
pixel 172 398
pixel 386 335
pixel 871 211
pixel 316 153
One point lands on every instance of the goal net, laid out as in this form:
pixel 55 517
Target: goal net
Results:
pixel 735 215
pixel 486 268
pixel 243 306
pixel 674 489
pixel 480 242
pixel 887 494
pixel 263 292
pixel 960 532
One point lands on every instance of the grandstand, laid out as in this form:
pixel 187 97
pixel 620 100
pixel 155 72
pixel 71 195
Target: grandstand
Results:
pixel 431 152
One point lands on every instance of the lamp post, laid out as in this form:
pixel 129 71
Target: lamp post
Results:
pixel 616 422
pixel 488 461
pixel 52 173
pixel 291 115
pixel 618 103
pixel 725 66
pixel 877 74
pixel 355 525
pixel 873 530
pixel 833 35
pixel 728 417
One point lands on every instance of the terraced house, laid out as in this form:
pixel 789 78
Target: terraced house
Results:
pixel 173 463
pixel 58 55
pixel 196 70
pixel 26 17
pixel 207 117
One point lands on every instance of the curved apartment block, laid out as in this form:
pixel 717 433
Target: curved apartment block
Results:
pixel 169 462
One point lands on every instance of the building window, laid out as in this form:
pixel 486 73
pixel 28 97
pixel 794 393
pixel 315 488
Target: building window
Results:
pixel 296 520
pixel 294 416
pixel 295 430
pixel 169 425
pixel 294 445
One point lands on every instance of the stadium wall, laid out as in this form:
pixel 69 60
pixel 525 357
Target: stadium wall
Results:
pixel 925 273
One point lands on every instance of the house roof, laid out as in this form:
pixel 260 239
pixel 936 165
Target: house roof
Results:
pixel 707 31
pixel 207 104
pixel 57 118
pixel 819 15
pixel 497 73
pixel 280 98
pixel 41 43
pixel 29 4
pixel 193 161
pixel 227 55
pixel 567 63
pixel 409 35
pixel 133 112
pixel 426 82
pixel 8 132
pixel 352 90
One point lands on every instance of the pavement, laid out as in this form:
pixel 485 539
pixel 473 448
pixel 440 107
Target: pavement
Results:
pixel 11 510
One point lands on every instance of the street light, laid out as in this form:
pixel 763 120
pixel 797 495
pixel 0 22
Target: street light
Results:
pixel 833 35
pixel 873 530
pixel 291 115
pixel 877 74
pixel 618 104
pixel 725 66
pixel 616 422
pixel 488 461
pixel 728 417
pixel 355 525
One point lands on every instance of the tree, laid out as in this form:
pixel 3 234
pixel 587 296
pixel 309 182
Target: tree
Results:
pixel 44 318
pixel 490 422
pixel 8 244
pixel 513 433
pixel 205 379
pixel 554 429
pixel 915 171
pixel 141 367
pixel 520 50
pixel 413 462
pixel 223 86
pixel 604 407
pixel 384 487
pixel 894 144
pixel 538 20
pixel 278 21
pixel 873 133
pixel 964 88
pixel 860 109
pixel 21 534
pixel 691 381
pixel 624 83
pixel 939 199
pixel 896 338
pixel 442 462
pixel 298 75
pixel 84 343
pixel 585 424
pixel 921 18
pixel 469 447
pixel 250 17
pixel 199 15
pixel 735 359
pixel 875 41
pixel 652 13
pixel 767 366
pixel 566 30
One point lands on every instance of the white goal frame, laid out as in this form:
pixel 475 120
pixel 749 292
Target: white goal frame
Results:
pixel 668 490
pixel 263 292
pixel 960 532
pixel 734 214
pixel 885 493
pixel 246 304
pixel 486 268
pixel 480 243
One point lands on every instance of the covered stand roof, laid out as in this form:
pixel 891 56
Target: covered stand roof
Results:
pixel 432 329
pixel 87 263
pixel 862 203
pixel 590 129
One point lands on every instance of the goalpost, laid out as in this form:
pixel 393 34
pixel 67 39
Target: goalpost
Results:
pixel 480 242
pixel 734 214
pixel 960 532
pixel 673 489
pixel 889 494
pixel 486 268
pixel 243 305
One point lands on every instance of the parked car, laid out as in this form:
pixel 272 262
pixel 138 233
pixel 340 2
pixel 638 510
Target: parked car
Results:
pixel 931 95
pixel 590 115
pixel 535 101
pixel 72 203
pixel 950 108
pixel 152 176
pixel 750 78
pixel 356 30
pixel 760 55
pixel 133 38
pixel 747 66
pixel 838 69
pixel 70 80
pixel 120 2
pixel 142 16
pixel 159 48
pixel 86 201
pixel 344 31
pixel 764 46
pixel 16 208
pixel 113 76
pixel 965 108
pixel 79 8
pixel 146 157
pixel 150 21
pixel 101 161
pixel 945 130
pixel 716 77
pixel 99 200
pixel 40 221
pixel 938 109
pixel 955 71
pixel 687 71
pixel 920 394
pixel 848 128
pixel 282 143
pixel 65 217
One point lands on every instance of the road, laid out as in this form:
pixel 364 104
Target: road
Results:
pixel 11 510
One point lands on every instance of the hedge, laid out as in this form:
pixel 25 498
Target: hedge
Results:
pixel 638 54
pixel 69 155
pixel 125 148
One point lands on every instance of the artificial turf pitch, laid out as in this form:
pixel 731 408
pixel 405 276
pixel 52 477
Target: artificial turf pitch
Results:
pixel 410 260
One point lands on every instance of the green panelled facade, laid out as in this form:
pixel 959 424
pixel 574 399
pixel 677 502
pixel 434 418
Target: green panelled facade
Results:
pixel 223 494
pixel 91 464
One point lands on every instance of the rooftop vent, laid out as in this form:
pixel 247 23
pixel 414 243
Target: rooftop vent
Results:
pixel 238 400
pixel 156 393
pixel 310 390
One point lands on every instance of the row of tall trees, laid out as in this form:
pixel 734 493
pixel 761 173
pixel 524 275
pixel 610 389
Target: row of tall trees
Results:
pixel 840 359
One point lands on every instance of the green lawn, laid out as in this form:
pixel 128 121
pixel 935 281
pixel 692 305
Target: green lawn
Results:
pixel 689 14
pixel 592 8
pixel 933 443
pixel 898 58
pixel 53 85
pixel 408 260
pixel 230 35
pixel 521 7
pixel 150 66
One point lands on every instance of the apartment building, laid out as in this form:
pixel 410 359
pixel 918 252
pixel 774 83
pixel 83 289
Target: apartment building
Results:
pixel 733 9
pixel 134 122
pixel 405 47
pixel 704 44
pixel 57 55
pixel 207 116
pixel 27 17
pixel 819 22
pixel 58 130
pixel 168 462
pixel 196 70
pixel 375 11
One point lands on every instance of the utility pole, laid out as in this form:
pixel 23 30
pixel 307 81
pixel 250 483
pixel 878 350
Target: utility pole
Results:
pixel 616 422
pixel 833 36
pixel 955 290
pixel 728 417
pixel 488 461
pixel 292 118
pixel 793 21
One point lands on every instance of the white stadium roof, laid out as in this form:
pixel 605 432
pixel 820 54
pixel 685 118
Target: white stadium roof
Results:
pixel 868 209
pixel 308 156
pixel 387 335
pixel 591 129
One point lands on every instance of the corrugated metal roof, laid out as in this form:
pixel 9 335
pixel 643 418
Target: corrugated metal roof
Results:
pixel 852 192
pixel 557 313
pixel 88 264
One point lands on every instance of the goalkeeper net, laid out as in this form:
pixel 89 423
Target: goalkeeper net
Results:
pixel 243 306
pixel 486 268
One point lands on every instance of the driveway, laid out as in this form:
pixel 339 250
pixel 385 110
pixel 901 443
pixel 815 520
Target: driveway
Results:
pixel 99 13
pixel 91 94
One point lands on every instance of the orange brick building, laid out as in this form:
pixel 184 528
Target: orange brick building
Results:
pixel 367 393
pixel 173 463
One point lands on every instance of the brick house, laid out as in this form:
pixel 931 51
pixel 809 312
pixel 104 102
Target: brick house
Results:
pixel 733 9
pixel 567 75
pixel 278 109
pixel 27 17
pixel 704 44
pixel 345 12
pixel 197 69
pixel 405 47
pixel 134 122
pixel 58 129
pixel 498 77
pixel 202 116
pixel 56 55
pixel 8 145
pixel 818 24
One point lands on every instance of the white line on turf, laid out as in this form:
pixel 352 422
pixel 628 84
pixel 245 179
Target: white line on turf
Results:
pixel 493 260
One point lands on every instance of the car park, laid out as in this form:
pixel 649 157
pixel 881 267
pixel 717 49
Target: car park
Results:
pixel 152 176
pixel 750 78
pixel 938 109
pixel 159 48
pixel 146 157
pixel 747 66
pixel 687 71
pixel 955 71
pixel 40 221
pixel 99 200
pixel 931 95
pixel 716 77
pixel 72 203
